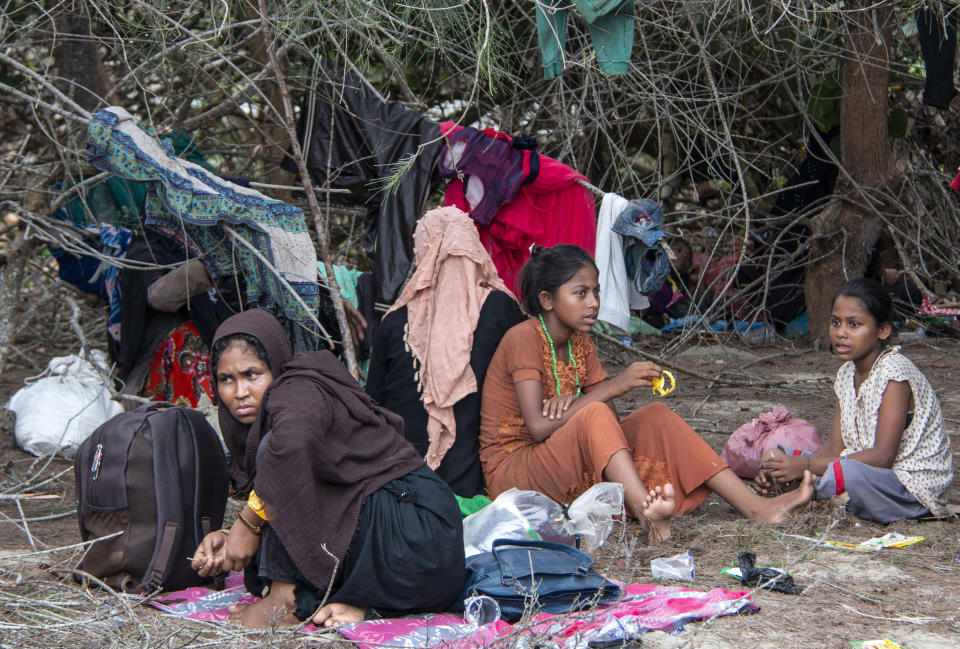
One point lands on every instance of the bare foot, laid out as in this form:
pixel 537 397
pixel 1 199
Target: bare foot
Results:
pixel 657 510
pixel 335 614
pixel 776 509
pixel 276 609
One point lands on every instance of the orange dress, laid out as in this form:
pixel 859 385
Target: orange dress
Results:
pixel 563 466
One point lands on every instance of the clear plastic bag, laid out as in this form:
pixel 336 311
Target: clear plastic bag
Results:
pixel 679 566
pixel 517 514
pixel 591 515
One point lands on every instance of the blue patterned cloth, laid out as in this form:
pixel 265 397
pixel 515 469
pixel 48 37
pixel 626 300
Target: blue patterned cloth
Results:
pixel 191 204
pixel 94 275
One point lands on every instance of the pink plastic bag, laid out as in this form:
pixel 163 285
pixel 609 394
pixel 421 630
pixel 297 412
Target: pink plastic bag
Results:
pixel 750 441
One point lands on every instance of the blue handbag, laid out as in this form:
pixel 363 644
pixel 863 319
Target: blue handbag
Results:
pixel 547 577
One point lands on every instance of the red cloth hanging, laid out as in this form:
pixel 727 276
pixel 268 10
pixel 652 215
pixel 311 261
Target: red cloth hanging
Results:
pixel 180 373
pixel 552 209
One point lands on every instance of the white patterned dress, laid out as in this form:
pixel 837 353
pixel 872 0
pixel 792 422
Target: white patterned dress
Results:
pixel 923 464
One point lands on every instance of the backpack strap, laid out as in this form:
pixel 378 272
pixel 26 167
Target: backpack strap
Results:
pixel 161 560
pixel 168 475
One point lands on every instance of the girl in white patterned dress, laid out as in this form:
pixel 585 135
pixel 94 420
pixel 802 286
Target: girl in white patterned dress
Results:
pixel 888 450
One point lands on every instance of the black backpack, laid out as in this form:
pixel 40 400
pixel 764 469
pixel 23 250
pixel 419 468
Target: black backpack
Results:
pixel 159 475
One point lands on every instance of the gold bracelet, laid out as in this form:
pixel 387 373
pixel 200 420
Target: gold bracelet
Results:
pixel 250 526
pixel 224 530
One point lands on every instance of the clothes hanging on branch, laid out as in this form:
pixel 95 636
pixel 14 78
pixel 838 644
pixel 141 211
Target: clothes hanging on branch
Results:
pixel 614 285
pixel 553 208
pixel 641 223
pixel 610 23
pixel 118 201
pixel 492 168
pixel 191 205
pixel 938 44
pixel 94 275
pixel 363 141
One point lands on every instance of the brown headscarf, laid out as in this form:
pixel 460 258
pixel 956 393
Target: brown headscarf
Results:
pixel 330 447
pixel 268 330
pixel 443 298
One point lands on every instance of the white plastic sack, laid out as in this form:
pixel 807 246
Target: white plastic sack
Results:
pixel 58 411
pixel 517 514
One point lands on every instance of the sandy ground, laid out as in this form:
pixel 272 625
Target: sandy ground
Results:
pixel 910 595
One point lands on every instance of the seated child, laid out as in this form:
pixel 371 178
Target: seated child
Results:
pixel 341 509
pixel 548 423
pixel 888 450
pixel 432 349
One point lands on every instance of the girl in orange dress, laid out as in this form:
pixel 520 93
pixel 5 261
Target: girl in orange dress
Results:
pixel 548 422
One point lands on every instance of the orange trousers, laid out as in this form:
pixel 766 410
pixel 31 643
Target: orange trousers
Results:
pixel 563 466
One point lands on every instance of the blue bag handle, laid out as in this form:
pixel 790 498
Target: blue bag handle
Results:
pixel 585 561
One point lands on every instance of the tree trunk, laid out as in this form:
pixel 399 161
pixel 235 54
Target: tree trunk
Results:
pixel 843 234
pixel 78 59
pixel 275 140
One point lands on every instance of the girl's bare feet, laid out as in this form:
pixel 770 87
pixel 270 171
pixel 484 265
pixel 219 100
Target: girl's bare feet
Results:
pixel 657 509
pixel 276 609
pixel 335 614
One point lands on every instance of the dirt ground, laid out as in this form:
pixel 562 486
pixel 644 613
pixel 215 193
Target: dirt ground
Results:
pixel 910 595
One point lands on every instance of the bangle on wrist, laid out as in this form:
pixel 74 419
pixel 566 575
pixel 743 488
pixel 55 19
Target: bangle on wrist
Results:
pixel 256 505
pixel 250 526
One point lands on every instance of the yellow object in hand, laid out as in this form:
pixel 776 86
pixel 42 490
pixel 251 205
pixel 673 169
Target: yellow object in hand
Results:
pixel 657 385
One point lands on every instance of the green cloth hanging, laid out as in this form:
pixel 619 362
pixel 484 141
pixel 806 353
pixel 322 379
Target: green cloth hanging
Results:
pixel 610 23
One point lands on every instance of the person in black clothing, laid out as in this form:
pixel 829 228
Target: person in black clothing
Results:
pixel 431 351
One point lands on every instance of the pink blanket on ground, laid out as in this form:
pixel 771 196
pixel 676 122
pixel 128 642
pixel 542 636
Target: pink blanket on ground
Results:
pixel 643 608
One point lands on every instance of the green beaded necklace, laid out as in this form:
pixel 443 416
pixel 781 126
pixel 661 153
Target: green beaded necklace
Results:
pixel 553 355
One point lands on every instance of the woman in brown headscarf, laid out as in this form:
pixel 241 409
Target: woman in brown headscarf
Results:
pixel 340 502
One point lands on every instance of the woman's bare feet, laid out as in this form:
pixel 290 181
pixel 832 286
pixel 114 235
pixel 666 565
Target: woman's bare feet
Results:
pixel 657 510
pixel 775 510
pixel 335 614
pixel 276 609
pixel 731 488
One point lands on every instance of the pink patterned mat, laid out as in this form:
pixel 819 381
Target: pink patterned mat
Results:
pixel 643 608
